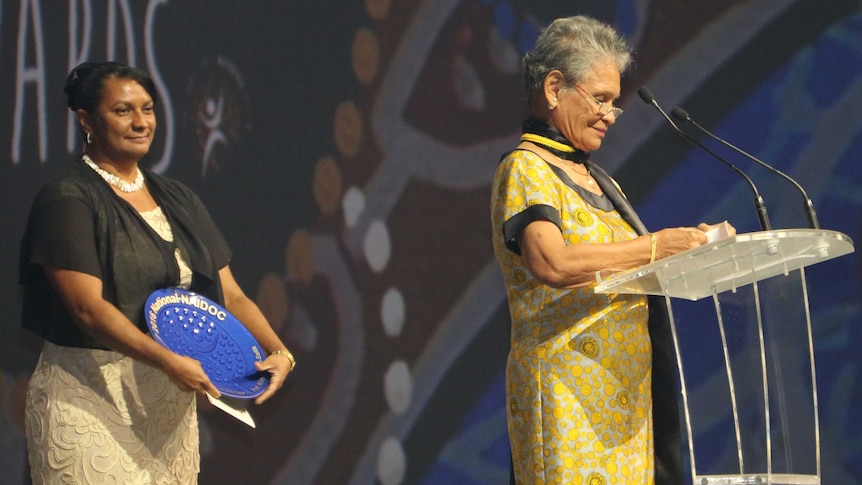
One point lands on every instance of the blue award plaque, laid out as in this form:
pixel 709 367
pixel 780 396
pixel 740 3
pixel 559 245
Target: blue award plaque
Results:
pixel 195 326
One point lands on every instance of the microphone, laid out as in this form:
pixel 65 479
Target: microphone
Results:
pixel 762 216
pixel 681 114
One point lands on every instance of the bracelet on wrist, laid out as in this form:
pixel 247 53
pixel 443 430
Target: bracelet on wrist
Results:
pixel 287 354
pixel 652 248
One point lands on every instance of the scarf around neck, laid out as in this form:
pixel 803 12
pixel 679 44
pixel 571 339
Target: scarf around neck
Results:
pixel 550 139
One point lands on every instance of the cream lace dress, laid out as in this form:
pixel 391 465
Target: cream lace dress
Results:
pixel 99 417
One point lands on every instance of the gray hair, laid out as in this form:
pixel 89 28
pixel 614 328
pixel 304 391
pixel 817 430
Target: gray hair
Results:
pixel 573 45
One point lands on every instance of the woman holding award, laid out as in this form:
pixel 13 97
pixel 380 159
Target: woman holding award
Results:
pixel 107 403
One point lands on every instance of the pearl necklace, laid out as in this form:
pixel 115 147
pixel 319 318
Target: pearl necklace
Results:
pixel 115 181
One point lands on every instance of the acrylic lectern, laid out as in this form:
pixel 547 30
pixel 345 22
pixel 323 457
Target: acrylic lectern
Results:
pixel 756 419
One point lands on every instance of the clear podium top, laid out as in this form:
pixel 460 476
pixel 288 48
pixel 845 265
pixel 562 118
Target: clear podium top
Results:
pixel 729 263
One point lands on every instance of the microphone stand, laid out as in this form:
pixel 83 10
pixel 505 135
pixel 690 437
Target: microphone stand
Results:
pixel 681 114
pixel 759 206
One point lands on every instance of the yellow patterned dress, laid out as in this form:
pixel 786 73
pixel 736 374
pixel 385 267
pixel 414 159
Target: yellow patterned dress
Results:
pixel 579 369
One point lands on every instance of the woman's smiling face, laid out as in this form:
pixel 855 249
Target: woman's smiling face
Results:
pixel 124 122
pixel 577 115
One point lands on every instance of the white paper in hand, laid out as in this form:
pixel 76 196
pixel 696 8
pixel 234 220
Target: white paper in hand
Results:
pixel 233 407
pixel 717 233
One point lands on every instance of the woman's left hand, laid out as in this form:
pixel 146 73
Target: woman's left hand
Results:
pixel 279 363
pixel 279 366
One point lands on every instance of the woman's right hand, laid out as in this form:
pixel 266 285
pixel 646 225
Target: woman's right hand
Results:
pixel 676 240
pixel 189 375
pixel 82 296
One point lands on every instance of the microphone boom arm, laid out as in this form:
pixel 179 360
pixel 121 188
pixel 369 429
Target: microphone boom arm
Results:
pixel 762 216
pixel 809 205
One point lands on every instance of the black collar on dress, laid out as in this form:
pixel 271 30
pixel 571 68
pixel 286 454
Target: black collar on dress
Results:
pixel 550 139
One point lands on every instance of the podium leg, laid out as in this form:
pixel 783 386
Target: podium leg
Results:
pixel 683 391
pixel 732 388
pixel 766 416
pixel 773 427
pixel 813 371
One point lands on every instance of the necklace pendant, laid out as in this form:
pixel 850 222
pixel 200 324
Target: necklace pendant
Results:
pixel 590 181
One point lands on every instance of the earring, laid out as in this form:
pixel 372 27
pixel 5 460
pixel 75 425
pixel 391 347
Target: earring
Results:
pixel 551 106
pixel 89 138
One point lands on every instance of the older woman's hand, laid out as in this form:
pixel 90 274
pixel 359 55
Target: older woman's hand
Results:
pixel 677 239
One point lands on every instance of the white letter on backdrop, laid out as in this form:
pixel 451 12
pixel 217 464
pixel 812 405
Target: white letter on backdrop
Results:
pixel 25 75
pixel 162 165
pixel 78 53
pixel 126 14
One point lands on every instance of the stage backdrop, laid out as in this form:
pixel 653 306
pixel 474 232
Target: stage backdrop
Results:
pixel 346 148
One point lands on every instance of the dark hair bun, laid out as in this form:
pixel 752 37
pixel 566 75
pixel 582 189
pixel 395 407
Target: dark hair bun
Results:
pixel 74 81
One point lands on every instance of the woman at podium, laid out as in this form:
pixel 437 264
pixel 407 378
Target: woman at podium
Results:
pixel 580 376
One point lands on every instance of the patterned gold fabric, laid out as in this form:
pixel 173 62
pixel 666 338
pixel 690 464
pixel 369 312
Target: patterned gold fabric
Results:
pixel 578 373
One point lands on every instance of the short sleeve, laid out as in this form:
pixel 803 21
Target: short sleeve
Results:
pixel 523 194
pixel 61 231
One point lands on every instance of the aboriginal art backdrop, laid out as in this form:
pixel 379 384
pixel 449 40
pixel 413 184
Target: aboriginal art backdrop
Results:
pixel 346 147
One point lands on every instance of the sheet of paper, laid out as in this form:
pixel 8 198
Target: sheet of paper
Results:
pixel 233 407
pixel 717 233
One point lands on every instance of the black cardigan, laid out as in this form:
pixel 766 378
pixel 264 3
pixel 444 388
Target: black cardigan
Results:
pixel 77 222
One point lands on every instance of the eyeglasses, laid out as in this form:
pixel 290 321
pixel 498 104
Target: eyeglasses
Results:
pixel 604 108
